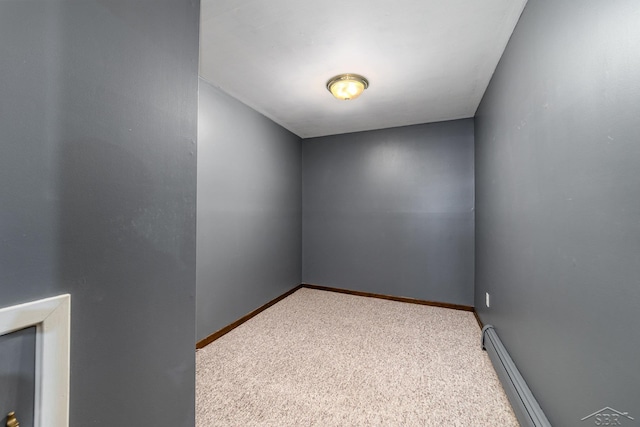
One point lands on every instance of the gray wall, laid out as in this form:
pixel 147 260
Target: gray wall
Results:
pixel 249 210
pixel 98 168
pixel 391 211
pixel 558 205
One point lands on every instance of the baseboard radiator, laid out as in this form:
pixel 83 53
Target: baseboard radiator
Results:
pixel 524 405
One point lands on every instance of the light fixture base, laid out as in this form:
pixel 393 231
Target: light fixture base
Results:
pixel 347 86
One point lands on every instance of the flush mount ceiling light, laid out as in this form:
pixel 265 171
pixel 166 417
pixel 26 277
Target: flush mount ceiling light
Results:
pixel 347 86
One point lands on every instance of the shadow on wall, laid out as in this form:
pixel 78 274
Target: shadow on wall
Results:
pixel 115 258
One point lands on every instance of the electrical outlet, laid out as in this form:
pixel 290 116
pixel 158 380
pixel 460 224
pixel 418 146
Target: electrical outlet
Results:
pixel 487 299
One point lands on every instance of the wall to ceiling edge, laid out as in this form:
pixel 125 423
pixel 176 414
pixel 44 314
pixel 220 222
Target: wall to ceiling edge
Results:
pixel 249 210
pixel 387 211
pixel 392 211
pixel 558 205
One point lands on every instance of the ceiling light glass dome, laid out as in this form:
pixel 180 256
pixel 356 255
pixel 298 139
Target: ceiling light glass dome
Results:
pixel 347 86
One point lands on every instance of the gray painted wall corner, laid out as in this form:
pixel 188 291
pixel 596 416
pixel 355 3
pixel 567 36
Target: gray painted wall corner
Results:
pixel 391 211
pixel 557 205
pixel 249 210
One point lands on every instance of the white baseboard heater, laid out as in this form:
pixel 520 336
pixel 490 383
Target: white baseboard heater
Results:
pixel 524 405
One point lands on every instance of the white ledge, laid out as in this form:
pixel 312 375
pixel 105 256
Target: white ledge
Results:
pixel 51 317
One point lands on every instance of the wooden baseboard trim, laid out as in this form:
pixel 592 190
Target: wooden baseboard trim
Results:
pixel 214 336
pixel 475 313
pixel 389 297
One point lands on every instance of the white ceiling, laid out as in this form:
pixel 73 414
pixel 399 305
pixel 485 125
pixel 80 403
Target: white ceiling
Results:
pixel 426 60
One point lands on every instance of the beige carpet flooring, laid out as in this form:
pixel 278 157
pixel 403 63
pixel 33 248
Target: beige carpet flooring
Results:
pixel 321 358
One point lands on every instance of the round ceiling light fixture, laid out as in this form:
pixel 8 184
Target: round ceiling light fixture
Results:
pixel 347 86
